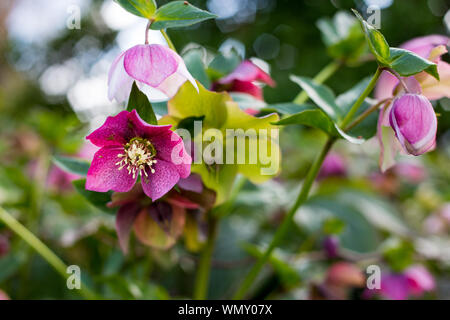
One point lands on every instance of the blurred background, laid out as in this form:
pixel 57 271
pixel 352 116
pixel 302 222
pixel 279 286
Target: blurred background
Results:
pixel 53 91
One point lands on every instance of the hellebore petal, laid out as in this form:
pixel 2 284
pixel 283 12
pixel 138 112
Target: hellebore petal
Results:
pixel 104 175
pixel 247 71
pixel 150 64
pixel 150 232
pixel 158 71
pixel 119 82
pixel 430 47
pixel 242 80
pixel 394 287
pixel 125 218
pixel 419 280
pixel 132 147
pixel 116 131
pixel 161 181
pixel 433 89
pixel 389 145
pixel 424 45
pixel 192 183
pixel 414 121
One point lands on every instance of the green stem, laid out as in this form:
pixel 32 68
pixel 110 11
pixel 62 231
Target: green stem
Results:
pixel 303 195
pixel 360 100
pixel 204 268
pixel 169 42
pixel 365 114
pixel 40 248
pixel 321 77
pixel 280 233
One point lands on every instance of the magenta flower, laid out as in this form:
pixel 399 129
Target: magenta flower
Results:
pixel 414 122
pixel 152 66
pixel 129 148
pixel 243 79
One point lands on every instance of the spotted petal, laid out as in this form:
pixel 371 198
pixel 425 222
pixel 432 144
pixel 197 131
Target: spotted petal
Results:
pixel 104 175
pixel 161 181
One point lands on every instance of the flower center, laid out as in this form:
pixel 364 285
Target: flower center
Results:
pixel 137 156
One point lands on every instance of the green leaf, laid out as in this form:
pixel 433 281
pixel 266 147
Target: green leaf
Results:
pixel 73 165
pixel 179 14
pixel 141 8
pixel 223 64
pixel 316 118
pixel 190 103
pixel 284 108
pixel 377 43
pixel 139 101
pixel 407 63
pixel 194 60
pixel 343 36
pixel 320 94
pixel 98 199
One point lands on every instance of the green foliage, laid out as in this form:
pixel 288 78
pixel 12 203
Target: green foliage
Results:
pixel 142 8
pixel 404 62
pixel 343 37
pixel 179 14
pixel 73 165
pixel 97 199
pixel 140 103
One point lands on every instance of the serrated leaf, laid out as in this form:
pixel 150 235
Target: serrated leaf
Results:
pixel 179 14
pixel 139 101
pixel 320 95
pixel 375 39
pixel 73 165
pixel 407 63
pixel 141 8
pixel 97 199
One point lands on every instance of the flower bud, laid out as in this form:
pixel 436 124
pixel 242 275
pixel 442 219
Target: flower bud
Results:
pixel 414 121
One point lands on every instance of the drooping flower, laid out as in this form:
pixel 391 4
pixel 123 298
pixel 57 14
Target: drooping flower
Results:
pixel 333 166
pixel 159 224
pixel 130 148
pixel 414 122
pixel 243 79
pixel 155 68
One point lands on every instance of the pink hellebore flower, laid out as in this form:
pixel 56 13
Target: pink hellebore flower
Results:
pixel 242 80
pixel 129 147
pixel 414 122
pixel 152 66
pixel 430 47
